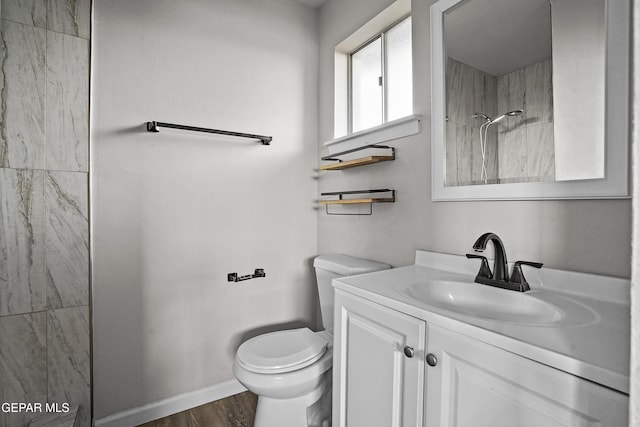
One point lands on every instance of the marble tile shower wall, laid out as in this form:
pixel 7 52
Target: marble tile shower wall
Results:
pixel 469 90
pixel 518 148
pixel 525 142
pixel 44 226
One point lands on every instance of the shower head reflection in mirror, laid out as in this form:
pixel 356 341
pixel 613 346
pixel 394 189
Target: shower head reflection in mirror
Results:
pixel 484 128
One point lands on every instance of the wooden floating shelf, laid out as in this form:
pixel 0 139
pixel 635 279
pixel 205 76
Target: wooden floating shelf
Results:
pixel 358 201
pixel 390 197
pixel 367 160
pixel 356 162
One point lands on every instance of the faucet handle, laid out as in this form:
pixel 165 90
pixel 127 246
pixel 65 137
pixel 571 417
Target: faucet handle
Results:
pixel 485 270
pixel 518 277
pixel 529 263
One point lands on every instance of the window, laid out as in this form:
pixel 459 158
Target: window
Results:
pixel 373 81
pixel 380 78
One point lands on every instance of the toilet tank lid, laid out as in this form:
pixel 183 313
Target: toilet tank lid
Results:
pixel 346 265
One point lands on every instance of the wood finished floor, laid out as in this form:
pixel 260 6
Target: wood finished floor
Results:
pixel 234 411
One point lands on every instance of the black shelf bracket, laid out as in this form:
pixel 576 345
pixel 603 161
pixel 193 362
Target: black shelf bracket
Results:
pixel 335 156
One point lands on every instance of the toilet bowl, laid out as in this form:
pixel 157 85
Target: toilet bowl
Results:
pixel 290 370
pixel 287 380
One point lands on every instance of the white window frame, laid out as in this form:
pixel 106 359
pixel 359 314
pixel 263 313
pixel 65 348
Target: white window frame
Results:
pixel 383 67
pixel 398 128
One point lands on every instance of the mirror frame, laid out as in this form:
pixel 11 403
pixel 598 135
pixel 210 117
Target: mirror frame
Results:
pixel 616 183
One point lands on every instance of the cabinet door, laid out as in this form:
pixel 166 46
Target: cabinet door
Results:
pixel 375 383
pixel 476 384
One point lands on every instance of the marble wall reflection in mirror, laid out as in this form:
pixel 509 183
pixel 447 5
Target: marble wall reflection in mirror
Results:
pixel 513 105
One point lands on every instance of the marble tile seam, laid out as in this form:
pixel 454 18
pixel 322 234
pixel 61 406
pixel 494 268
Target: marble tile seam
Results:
pixel 43 311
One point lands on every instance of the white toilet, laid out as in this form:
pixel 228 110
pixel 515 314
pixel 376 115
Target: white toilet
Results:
pixel 290 370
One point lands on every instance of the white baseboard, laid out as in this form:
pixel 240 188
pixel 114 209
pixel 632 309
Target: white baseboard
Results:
pixel 162 408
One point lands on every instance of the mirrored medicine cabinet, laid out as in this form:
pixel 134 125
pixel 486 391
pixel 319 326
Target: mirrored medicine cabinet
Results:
pixel 530 99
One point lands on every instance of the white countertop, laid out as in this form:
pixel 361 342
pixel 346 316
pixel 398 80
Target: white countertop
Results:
pixel 594 345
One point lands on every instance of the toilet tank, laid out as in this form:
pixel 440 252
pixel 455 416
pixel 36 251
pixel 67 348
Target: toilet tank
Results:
pixel 331 266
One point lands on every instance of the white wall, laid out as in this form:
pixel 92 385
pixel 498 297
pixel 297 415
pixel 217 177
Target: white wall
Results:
pixel 174 212
pixel 592 236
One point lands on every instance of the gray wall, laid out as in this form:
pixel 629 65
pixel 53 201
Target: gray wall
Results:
pixel 591 236
pixel 44 249
pixel 634 404
pixel 175 211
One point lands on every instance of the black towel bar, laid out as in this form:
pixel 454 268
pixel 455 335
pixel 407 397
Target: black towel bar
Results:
pixel 153 127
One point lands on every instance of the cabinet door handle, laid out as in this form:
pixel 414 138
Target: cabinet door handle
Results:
pixel 432 360
pixel 409 351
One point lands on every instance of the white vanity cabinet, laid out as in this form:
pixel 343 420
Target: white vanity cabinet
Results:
pixel 477 384
pixel 472 383
pixel 378 365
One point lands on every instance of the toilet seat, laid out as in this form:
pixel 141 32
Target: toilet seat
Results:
pixel 281 351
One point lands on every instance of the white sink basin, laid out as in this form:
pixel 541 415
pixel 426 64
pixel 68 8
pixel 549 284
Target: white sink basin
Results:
pixel 491 303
